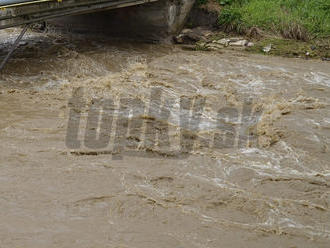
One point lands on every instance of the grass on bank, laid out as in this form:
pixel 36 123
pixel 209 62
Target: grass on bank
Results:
pixel 293 19
pixel 293 27
pixel 280 46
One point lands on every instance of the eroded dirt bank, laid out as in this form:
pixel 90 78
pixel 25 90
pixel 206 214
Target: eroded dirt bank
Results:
pixel 276 192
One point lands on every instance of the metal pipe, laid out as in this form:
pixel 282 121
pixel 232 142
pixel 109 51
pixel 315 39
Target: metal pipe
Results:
pixel 12 49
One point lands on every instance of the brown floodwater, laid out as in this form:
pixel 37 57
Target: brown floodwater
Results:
pixel 267 183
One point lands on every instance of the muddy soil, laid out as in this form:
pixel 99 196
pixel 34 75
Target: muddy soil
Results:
pixel 273 189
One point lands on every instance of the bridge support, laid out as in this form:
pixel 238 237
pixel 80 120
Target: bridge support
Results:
pixel 153 21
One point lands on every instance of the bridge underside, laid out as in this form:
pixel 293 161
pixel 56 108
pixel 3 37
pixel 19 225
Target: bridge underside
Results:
pixel 145 19
pixel 18 12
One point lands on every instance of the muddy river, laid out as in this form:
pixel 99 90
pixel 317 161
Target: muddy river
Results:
pixel 250 168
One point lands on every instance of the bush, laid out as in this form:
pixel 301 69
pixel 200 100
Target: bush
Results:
pixel 231 20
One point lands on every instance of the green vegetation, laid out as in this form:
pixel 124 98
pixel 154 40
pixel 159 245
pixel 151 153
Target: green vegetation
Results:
pixel 317 48
pixel 293 28
pixel 294 19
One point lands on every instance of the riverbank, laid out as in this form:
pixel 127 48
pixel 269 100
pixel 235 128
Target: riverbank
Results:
pixel 250 21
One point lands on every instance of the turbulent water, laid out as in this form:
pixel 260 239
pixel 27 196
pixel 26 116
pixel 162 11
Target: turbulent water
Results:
pixel 257 175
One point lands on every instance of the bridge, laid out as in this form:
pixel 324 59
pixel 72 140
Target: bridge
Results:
pixel 18 12
pixel 148 18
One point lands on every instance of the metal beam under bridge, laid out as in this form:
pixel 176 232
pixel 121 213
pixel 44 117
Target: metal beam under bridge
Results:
pixel 19 12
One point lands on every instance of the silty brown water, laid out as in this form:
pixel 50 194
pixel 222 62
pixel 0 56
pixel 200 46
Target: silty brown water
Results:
pixel 268 187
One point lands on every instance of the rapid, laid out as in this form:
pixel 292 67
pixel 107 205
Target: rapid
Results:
pixel 266 184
